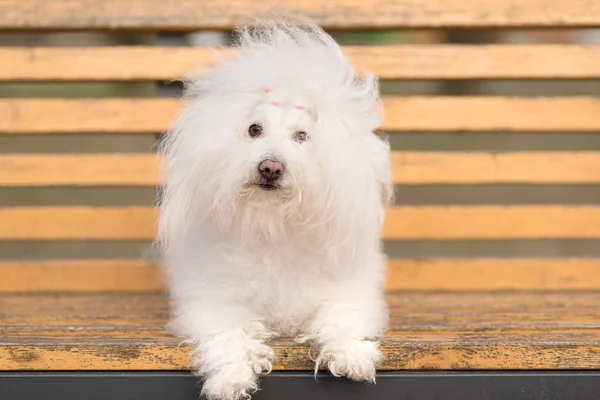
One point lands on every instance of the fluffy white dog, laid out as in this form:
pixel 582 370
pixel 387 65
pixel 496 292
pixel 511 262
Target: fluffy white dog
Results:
pixel 274 199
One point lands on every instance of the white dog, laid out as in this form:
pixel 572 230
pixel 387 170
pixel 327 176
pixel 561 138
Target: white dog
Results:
pixel 274 199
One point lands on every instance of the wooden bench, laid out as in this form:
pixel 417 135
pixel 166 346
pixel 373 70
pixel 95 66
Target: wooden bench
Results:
pixel 476 313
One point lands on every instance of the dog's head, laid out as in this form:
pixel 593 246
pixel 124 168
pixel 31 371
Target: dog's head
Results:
pixel 282 131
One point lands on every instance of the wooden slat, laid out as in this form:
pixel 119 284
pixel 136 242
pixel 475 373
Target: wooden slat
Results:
pixel 492 114
pixel 86 116
pixel 402 223
pixel 189 15
pixel 476 275
pixel 32 303
pixel 24 170
pixel 101 322
pixel 408 351
pixel 494 274
pixel 467 302
pixel 78 170
pixel 399 322
pixel 79 276
pixel 416 302
pixel 423 340
pixel 450 322
pixel 485 168
pixel 22 116
pixel 387 62
pixel 490 222
pixel 26 223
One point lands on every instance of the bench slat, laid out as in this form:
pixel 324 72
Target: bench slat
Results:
pixel 402 223
pixel 387 62
pixel 79 276
pixel 400 322
pixel 187 15
pixel 490 222
pixel 408 168
pixel 119 223
pixel 466 350
pixel 453 275
pixel 494 274
pixel 428 339
pixel 37 116
pixel 79 170
pixel 414 302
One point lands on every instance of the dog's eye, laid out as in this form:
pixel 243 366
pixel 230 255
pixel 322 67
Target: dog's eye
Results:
pixel 300 136
pixel 255 130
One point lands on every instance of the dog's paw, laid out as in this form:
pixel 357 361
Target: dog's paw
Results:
pixel 261 359
pixel 238 380
pixel 232 382
pixel 353 359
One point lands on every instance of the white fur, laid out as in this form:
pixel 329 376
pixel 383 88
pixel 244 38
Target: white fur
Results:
pixel 243 263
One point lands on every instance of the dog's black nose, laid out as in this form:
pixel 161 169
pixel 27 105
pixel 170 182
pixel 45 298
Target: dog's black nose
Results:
pixel 270 170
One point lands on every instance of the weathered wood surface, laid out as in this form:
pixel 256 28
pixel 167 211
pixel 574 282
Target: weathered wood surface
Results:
pixel 138 63
pixel 500 302
pixel 188 15
pixel 22 170
pixel 402 223
pixel 400 322
pixel 444 274
pixel 151 116
pixel 459 331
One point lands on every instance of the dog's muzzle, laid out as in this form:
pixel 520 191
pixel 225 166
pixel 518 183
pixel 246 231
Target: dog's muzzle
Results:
pixel 269 172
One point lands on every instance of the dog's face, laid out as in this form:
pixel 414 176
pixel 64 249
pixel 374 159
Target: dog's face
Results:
pixel 276 148
pixel 250 161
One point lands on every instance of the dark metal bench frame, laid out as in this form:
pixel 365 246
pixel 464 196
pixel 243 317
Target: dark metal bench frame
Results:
pixel 489 385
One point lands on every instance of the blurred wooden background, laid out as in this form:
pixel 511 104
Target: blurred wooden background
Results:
pixel 493 194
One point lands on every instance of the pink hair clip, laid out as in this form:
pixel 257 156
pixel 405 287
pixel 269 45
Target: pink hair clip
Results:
pixel 300 107
pixel 267 90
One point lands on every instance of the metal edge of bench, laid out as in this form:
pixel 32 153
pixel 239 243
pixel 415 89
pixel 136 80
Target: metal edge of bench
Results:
pixel 489 385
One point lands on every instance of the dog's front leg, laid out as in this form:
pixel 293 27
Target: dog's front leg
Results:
pixel 229 347
pixel 345 329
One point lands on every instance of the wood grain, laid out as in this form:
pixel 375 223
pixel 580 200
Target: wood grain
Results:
pixel 22 170
pixel 135 63
pixel 187 15
pixel 414 302
pixel 101 276
pixel 423 341
pixel 399 322
pixel 37 116
pixel 32 303
pixel 480 302
pixel 450 352
pixel 402 223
